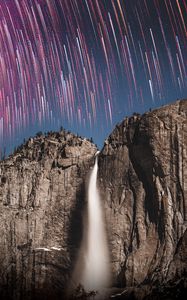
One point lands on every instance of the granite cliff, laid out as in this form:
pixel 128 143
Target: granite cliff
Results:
pixel 143 183
pixel 42 195
pixel 143 179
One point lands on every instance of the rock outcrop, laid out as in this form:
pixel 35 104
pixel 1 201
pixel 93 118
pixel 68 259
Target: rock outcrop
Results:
pixel 143 179
pixel 143 183
pixel 42 195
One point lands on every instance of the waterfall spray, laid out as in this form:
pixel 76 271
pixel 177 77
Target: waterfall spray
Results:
pixel 96 272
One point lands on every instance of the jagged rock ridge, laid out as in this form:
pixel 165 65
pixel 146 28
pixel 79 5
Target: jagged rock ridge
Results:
pixel 143 182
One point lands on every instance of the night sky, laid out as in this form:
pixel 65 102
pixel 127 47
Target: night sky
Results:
pixel 86 64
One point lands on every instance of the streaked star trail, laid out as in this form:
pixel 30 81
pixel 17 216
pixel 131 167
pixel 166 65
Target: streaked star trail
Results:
pixel 85 64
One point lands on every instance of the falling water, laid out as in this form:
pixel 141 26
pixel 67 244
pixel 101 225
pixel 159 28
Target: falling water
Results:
pixel 95 274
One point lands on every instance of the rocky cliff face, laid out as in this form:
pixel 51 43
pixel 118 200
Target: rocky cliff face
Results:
pixel 143 179
pixel 143 183
pixel 41 201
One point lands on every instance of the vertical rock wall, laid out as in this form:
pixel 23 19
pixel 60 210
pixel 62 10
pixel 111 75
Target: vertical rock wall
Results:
pixel 143 178
pixel 42 194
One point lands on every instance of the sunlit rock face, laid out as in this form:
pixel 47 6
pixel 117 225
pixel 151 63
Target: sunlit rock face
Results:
pixel 42 196
pixel 143 180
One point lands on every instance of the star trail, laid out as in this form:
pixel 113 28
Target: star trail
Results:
pixel 85 64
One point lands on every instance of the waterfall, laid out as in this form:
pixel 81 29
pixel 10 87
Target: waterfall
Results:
pixel 95 273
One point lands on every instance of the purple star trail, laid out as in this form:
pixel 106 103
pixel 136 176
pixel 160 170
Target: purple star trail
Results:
pixel 84 64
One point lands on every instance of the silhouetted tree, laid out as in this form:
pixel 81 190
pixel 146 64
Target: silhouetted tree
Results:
pixel 39 133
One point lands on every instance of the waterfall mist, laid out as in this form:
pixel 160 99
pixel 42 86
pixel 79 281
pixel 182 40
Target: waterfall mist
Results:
pixel 96 272
pixel 92 269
